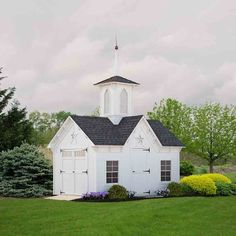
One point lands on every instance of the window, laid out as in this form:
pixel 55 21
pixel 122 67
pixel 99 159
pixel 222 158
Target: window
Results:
pixel 107 102
pixel 112 172
pixel 80 153
pixel 165 170
pixel 66 153
pixel 123 102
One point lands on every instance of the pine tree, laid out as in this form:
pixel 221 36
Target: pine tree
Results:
pixel 15 128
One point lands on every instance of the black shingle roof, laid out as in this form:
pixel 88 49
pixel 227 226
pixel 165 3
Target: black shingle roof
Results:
pixel 163 134
pixel 102 131
pixel 117 79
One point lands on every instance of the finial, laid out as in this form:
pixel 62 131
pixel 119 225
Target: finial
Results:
pixel 116 47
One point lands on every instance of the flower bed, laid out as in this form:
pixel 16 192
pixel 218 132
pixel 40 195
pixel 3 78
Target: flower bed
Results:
pixel 95 196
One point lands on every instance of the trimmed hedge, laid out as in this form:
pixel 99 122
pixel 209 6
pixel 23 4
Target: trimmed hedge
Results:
pixel 25 172
pixel 218 178
pixel 117 192
pixel 200 184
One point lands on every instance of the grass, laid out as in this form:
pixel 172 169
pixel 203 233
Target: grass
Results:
pixel 170 216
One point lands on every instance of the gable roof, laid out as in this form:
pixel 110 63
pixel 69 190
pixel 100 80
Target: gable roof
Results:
pixel 101 131
pixel 163 134
pixel 118 79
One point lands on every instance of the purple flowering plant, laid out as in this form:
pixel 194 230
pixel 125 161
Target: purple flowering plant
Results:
pixel 95 196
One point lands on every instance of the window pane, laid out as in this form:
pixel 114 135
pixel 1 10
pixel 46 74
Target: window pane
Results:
pixel 109 163
pixel 66 153
pixel 115 163
pixel 168 173
pixel 109 175
pixel 162 178
pixel 165 170
pixel 162 163
pixel 167 167
pixel 112 171
pixel 115 174
pixel 167 178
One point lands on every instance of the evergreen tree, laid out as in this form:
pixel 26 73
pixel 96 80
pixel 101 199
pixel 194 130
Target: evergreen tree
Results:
pixel 15 128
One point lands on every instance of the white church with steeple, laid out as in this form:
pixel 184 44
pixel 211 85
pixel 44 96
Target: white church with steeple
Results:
pixel 90 154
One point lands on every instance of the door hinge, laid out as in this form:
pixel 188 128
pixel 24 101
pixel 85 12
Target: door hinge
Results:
pixel 148 171
pixel 146 149
pixel 149 192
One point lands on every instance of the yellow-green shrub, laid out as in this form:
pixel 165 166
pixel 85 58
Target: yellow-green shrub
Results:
pixel 200 184
pixel 218 178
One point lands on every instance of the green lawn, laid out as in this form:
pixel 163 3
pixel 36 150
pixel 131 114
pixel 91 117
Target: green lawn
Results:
pixel 170 216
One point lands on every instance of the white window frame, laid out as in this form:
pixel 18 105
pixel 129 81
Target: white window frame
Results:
pixel 67 153
pixel 112 170
pixel 165 170
pixel 107 102
pixel 124 102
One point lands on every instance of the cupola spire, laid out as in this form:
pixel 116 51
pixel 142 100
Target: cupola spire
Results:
pixel 116 69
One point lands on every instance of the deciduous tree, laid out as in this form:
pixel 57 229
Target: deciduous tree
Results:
pixel 208 130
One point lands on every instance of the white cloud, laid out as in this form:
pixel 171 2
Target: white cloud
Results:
pixel 218 11
pixel 188 38
pixel 54 51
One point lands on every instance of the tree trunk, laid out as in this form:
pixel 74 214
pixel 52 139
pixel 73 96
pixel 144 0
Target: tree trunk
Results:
pixel 211 169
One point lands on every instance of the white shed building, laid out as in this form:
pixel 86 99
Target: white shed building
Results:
pixel 90 154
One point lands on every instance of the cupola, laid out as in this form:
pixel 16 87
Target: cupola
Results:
pixel 116 95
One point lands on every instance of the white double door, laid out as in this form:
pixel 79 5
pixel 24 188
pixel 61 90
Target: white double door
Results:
pixel 141 171
pixel 74 172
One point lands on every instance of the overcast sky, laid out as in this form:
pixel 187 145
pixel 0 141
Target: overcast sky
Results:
pixel 53 51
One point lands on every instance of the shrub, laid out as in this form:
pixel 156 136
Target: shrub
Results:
pixel 24 172
pixel 223 189
pixel 117 192
pixel 233 189
pixel 186 168
pixel 200 184
pixel 179 189
pixel 95 196
pixel 218 178
pixel 187 190
pixel 175 189
pixel 200 170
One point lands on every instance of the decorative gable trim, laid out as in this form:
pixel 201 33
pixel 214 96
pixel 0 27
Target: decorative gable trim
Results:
pixel 152 132
pixel 63 130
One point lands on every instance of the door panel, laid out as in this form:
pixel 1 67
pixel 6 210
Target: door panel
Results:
pixel 67 183
pixel 140 174
pixel 80 175
pixel 80 183
pixel 67 164
pixel 73 173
